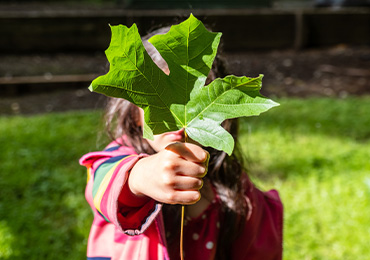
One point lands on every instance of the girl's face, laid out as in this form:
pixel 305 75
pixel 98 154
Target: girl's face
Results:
pixel 162 140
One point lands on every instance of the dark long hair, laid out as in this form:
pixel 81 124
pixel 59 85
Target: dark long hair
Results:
pixel 224 172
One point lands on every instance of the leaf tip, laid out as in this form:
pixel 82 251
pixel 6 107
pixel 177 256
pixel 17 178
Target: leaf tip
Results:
pixel 275 104
pixel 148 133
pixel 228 149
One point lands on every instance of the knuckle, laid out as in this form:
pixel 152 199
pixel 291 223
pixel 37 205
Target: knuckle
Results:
pixel 170 197
pixel 169 165
pixel 168 180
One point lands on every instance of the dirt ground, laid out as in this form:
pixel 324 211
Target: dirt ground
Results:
pixel 339 71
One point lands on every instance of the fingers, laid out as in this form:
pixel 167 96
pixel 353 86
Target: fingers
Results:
pixel 187 183
pixel 190 152
pixel 180 190
pixel 187 159
pixel 186 179
pixel 192 169
pixel 183 197
pixel 173 175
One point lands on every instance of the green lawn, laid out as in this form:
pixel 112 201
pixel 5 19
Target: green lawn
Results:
pixel 43 214
pixel 314 151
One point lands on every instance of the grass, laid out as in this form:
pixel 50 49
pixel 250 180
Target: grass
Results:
pixel 43 214
pixel 314 151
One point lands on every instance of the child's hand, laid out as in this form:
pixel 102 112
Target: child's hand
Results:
pixel 173 175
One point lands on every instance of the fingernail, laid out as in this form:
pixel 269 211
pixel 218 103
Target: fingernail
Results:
pixel 206 163
pixel 207 159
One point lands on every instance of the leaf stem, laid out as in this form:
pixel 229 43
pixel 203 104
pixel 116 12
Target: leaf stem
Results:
pixel 182 233
pixel 186 136
pixel 182 218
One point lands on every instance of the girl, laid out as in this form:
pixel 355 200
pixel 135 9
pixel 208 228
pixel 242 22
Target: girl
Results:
pixel 136 188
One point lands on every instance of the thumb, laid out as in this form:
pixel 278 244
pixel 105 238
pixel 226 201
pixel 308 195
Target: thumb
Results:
pixel 190 152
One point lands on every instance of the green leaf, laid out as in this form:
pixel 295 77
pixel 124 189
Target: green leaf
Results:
pixel 179 100
pixel 226 98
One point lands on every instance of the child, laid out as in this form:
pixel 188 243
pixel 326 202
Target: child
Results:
pixel 136 188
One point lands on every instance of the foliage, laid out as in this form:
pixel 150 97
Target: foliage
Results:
pixel 180 99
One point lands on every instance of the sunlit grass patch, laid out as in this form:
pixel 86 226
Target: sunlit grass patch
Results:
pixel 316 153
pixel 6 240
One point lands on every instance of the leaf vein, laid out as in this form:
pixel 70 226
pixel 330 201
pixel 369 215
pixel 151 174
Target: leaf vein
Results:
pixel 217 97
pixel 128 90
pixel 151 84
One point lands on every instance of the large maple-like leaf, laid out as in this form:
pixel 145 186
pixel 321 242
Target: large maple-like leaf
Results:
pixel 180 99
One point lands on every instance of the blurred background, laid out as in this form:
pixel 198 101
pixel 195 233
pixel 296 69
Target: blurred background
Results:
pixel 314 148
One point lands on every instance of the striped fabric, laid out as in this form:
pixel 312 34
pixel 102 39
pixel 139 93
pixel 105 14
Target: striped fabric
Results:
pixel 103 177
pixel 121 229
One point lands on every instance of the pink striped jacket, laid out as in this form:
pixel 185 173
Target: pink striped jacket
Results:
pixel 125 227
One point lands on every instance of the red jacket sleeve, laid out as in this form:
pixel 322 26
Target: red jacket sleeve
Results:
pixel 262 237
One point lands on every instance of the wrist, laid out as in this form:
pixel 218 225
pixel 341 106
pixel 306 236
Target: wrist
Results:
pixel 129 199
pixel 129 196
pixel 133 182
